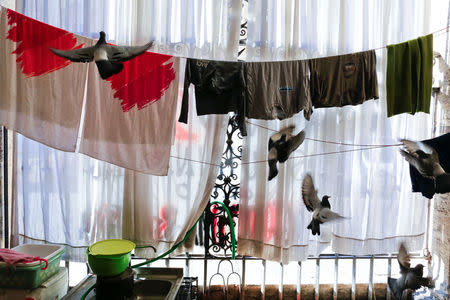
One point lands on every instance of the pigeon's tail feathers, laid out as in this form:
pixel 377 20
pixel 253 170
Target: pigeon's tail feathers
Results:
pixel 107 68
pixel 394 288
pixel 428 282
pixel 273 170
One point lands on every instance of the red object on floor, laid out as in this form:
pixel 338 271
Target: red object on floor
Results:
pixel 12 258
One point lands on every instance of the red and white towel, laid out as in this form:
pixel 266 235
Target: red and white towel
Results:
pixel 130 118
pixel 41 94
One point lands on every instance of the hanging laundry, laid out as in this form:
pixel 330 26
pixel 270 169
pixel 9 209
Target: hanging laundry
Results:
pixel 277 90
pixel 130 117
pixel 342 80
pixel 425 185
pixel 108 58
pixel 41 94
pixel 218 89
pixel 409 76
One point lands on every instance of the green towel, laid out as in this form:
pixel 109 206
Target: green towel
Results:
pixel 409 76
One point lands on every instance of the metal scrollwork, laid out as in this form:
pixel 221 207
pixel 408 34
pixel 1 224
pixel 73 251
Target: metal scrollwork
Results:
pixel 217 230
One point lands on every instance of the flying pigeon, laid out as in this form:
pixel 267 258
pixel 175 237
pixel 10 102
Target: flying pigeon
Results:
pixel 411 278
pixel 321 209
pixel 108 58
pixel 281 145
pixel 422 157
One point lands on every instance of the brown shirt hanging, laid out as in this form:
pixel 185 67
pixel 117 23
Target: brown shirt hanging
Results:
pixel 277 90
pixel 343 80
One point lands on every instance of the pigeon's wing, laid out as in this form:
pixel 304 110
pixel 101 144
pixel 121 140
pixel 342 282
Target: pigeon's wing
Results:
pixel 411 158
pixel 77 55
pixel 326 215
pixel 287 130
pixel 404 259
pixel 272 155
pixel 413 147
pixel 124 53
pixel 309 194
pixel 296 141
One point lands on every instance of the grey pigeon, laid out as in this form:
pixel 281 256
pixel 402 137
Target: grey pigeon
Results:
pixel 281 145
pixel 410 279
pixel 108 58
pixel 321 209
pixel 422 157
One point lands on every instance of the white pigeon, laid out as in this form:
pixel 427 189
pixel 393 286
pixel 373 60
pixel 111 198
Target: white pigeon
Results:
pixel 108 58
pixel 321 209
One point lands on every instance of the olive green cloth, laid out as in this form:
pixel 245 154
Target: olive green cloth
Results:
pixel 409 76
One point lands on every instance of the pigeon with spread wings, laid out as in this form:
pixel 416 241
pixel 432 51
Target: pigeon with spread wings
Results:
pixel 410 279
pixel 321 209
pixel 281 145
pixel 422 157
pixel 108 58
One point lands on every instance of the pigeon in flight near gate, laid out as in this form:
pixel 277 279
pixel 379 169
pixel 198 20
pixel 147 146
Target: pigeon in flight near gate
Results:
pixel 411 278
pixel 108 58
pixel 321 209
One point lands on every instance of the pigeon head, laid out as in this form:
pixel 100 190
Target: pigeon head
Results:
pixel 102 38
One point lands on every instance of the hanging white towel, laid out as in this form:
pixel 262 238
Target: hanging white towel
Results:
pixel 41 94
pixel 130 118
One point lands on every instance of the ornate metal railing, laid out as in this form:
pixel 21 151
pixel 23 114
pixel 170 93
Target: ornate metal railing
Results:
pixel 216 228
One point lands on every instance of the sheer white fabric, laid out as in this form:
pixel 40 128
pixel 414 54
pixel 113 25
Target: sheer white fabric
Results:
pixel 72 199
pixel 372 187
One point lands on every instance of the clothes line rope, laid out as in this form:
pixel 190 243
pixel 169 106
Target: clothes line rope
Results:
pixel 325 153
pixel 332 142
pixel 293 157
pixel 446 29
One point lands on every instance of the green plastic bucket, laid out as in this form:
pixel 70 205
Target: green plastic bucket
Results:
pixel 110 257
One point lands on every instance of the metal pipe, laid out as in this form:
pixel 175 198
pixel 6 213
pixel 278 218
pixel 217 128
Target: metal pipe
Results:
pixel 299 280
pixel 5 187
pixel 243 278
pixel 186 265
pixel 335 286
pixel 354 278
pixel 280 287
pixel 263 286
pixel 370 292
pixel 316 290
pixel 388 290
pixel 205 275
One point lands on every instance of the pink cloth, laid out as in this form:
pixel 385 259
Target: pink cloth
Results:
pixel 12 258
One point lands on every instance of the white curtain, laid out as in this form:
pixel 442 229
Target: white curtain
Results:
pixel 372 187
pixel 75 200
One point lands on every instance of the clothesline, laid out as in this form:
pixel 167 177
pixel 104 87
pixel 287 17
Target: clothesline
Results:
pixel 293 157
pixel 332 142
pixel 325 153
pixel 437 32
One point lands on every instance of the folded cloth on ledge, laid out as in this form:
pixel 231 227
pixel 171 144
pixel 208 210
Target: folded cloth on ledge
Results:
pixel 12 258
